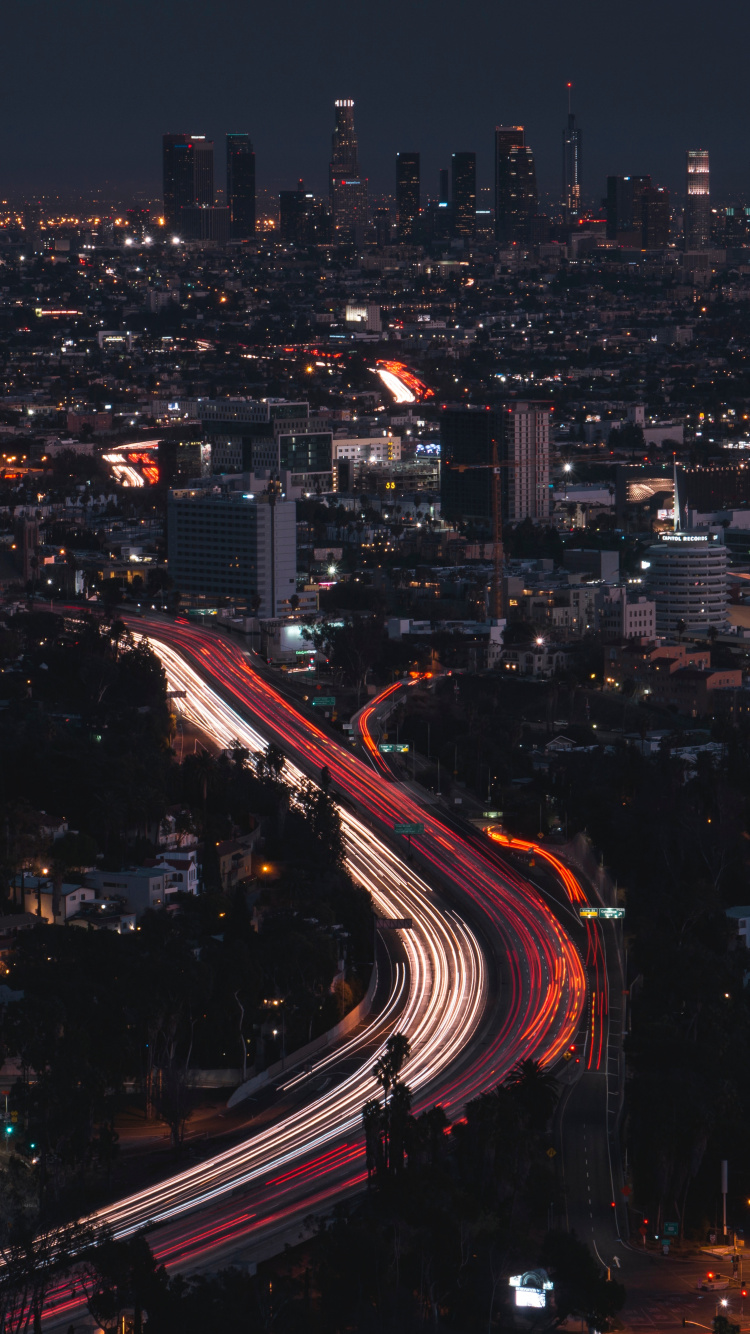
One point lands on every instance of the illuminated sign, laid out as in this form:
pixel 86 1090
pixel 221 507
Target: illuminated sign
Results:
pixel 588 912
pixel 392 748
pixel 689 537
pixel 531 1288
pixel 530 1297
pixel 612 914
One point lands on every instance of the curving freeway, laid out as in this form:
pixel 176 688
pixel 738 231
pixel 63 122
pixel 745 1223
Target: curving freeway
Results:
pixel 490 977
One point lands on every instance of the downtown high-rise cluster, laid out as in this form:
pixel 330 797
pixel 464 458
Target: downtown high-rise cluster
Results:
pixel 635 211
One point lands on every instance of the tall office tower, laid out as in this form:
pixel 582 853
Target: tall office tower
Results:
pixel 203 169
pixel 734 227
pixel 656 217
pixel 467 436
pixel 625 208
pixel 383 226
pixel 303 219
pixel 188 163
pixel 464 190
pixel 227 543
pixel 348 190
pixel 526 493
pixel 516 196
pixel 407 195
pixel 571 167
pixel 240 186
pixel 445 186
pixel 292 211
pixel 697 227
pixel 177 164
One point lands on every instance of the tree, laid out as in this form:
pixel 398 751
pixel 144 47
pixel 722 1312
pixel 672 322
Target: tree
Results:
pixel 120 1276
pixel 171 1100
pixel 388 1066
pixel 536 1091
pixel 372 1119
pixel 270 763
pixel 323 824
pixel 396 1107
pixel 580 1287
pixel 351 648
pixel 34 1253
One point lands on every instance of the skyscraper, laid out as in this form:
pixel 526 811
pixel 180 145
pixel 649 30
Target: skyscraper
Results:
pixel 516 197
pixel 464 188
pixel 657 216
pixel 188 165
pixel 177 164
pixel 407 195
pixel 348 190
pixel 203 157
pixel 571 167
pixel 240 186
pixel 697 228
pixel 625 195
pixel 526 494
pixel 467 436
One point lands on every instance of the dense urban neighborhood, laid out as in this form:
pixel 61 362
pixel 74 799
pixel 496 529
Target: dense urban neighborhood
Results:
pixel 375 736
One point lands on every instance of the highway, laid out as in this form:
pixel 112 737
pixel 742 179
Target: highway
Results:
pixel 491 977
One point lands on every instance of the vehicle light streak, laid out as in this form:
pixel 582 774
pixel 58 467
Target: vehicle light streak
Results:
pixel 595 959
pixel 401 392
pixel 439 1001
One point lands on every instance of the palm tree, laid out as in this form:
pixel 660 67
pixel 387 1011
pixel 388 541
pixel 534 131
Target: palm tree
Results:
pixel 372 1119
pixel 398 1123
pixel 386 1070
pixel 537 1091
pixel 388 1066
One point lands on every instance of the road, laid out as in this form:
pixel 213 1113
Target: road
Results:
pixel 450 950
pixel 491 978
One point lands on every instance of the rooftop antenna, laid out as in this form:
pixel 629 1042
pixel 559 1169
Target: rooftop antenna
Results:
pixel 676 506
pixel 570 86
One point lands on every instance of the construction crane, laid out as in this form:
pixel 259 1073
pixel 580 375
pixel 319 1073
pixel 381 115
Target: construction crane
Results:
pixel 496 595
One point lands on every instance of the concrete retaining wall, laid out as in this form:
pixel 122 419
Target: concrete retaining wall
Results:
pixel 302 1054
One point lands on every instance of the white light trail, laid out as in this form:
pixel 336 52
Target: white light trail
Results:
pixel 443 999
pixel 396 387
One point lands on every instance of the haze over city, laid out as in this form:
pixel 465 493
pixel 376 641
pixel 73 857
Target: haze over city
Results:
pixel 87 92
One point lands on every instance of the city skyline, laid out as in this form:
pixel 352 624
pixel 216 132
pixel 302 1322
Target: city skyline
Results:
pixel 111 99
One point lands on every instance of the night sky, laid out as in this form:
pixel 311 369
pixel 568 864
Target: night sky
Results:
pixel 89 87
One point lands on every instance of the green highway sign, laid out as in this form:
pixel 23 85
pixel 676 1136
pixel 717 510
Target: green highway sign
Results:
pixel 612 914
pixel 416 828
pixel 671 1230
pixel 393 748
pixel 492 815
pixel 324 702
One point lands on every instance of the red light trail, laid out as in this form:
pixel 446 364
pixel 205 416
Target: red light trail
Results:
pixel 314 1154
